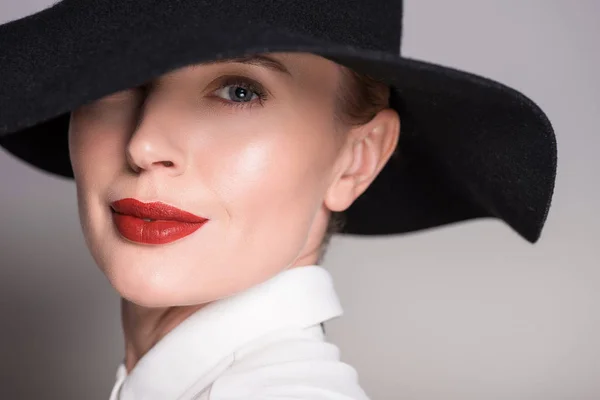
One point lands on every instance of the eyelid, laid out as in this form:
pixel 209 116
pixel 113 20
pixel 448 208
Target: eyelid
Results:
pixel 228 80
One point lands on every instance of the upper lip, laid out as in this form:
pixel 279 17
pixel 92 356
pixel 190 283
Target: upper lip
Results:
pixel 154 210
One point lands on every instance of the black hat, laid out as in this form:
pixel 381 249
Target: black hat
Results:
pixel 469 147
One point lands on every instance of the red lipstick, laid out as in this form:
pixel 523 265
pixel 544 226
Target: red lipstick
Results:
pixel 153 223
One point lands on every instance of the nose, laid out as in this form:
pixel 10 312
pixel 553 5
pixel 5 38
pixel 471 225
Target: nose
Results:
pixel 153 147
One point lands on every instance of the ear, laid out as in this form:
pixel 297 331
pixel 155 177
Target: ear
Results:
pixel 368 149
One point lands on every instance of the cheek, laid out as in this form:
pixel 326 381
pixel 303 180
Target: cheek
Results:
pixel 274 186
pixel 97 137
pixel 96 142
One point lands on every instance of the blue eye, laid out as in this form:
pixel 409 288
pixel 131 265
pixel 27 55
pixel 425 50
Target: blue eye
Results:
pixel 241 91
pixel 237 93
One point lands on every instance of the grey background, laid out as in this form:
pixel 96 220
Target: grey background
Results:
pixel 464 312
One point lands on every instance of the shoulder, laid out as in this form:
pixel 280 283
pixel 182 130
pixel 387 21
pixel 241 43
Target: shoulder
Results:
pixel 291 364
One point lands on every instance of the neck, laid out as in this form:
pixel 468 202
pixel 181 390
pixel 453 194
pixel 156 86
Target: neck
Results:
pixel 143 327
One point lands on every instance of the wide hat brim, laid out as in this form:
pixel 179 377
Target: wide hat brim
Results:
pixel 469 147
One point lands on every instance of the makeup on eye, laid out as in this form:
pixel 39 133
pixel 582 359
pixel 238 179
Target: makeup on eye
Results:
pixel 238 91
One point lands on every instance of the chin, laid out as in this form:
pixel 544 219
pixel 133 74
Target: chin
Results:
pixel 147 300
pixel 147 294
pixel 159 286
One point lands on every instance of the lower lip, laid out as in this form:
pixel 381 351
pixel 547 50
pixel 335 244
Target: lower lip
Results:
pixel 153 232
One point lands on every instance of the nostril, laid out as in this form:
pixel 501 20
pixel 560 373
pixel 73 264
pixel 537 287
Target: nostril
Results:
pixel 167 163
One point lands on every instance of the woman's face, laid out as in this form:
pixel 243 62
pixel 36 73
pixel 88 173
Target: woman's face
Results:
pixel 252 146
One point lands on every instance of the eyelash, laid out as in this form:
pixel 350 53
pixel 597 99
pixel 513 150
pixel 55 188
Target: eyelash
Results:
pixel 245 83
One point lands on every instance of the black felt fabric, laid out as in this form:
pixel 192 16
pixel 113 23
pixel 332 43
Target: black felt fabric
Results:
pixel 469 148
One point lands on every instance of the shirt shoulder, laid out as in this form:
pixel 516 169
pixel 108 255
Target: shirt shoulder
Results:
pixel 288 364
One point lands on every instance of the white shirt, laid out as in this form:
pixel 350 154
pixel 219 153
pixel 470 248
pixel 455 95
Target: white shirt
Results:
pixel 263 343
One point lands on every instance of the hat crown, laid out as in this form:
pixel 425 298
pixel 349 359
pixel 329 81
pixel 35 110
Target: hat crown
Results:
pixel 365 24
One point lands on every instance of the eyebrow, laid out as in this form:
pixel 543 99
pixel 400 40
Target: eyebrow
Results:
pixel 260 60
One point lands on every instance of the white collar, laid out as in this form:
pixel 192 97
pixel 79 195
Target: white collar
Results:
pixel 295 298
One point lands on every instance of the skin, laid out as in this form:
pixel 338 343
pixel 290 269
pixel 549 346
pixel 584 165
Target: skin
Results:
pixel 266 172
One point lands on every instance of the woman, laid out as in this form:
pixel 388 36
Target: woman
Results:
pixel 209 182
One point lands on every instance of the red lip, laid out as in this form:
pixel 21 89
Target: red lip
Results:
pixel 167 224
